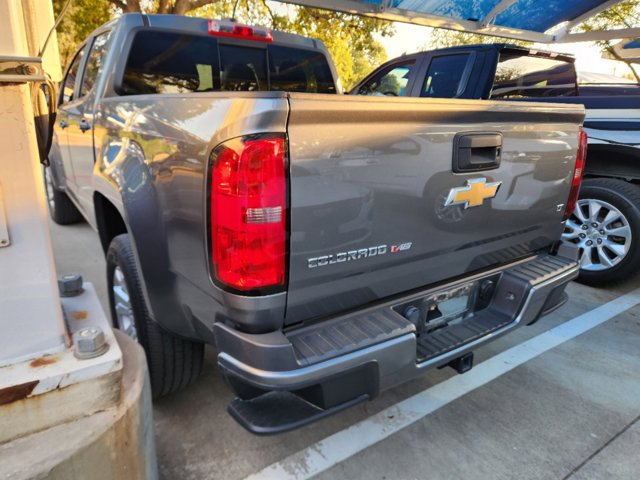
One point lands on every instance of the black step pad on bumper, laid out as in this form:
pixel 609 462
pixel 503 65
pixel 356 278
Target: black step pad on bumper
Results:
pixel 542 269
pixel 340 336
pixel 279 412
pixel 449 338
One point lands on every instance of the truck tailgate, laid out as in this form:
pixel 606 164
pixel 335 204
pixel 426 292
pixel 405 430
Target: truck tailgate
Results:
pixel 370 180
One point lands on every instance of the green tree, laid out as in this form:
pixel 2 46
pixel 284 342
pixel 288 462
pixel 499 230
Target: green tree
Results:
pixel 82 18
pixel 178 7
pixel 625 14
pixel 351 39
pixel 441 38
pixel 243 11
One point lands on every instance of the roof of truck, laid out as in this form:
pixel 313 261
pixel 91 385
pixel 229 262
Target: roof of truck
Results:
pixel 200 25
pixel 509 46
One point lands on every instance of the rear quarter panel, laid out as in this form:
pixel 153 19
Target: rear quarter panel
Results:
pixel 152 159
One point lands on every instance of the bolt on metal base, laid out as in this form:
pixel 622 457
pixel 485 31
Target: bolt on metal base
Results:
pixel 70 285
pixel 89 343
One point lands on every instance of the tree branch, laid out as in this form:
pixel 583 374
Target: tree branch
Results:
pixel 119 4
pixel 273 18
pixel 615 55
pixel 131 6
pixel 188 5
pixel 163 6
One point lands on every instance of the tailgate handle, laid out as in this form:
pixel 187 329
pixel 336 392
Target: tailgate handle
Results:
pixel 474 152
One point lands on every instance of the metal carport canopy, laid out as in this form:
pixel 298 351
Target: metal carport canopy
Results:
pixel 628 50
pixel 544 21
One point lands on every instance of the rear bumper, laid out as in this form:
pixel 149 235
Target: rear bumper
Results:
pixel 337 362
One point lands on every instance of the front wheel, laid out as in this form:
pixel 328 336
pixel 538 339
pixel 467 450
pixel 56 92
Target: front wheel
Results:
pixel 174 362
pixel 605 226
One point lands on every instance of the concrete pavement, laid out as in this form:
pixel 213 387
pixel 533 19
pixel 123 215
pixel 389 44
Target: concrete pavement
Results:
pixel 571 412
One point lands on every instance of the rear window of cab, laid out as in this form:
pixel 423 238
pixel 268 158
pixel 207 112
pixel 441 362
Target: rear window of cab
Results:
pixel 169 62
pixel 521 75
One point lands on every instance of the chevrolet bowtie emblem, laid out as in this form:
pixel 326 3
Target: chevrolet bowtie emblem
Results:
pixel 473 194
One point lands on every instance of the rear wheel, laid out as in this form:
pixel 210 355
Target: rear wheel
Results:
pixel 606 228
pixel 61 208
pixel 174 362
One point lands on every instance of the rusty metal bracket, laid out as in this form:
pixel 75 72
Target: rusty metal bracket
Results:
pixel 5 241
pixel 21 69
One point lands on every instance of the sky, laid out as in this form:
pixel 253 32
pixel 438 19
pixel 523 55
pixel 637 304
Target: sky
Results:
pixel 412 38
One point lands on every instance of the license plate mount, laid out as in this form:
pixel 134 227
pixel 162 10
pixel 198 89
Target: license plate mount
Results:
pixel 449 307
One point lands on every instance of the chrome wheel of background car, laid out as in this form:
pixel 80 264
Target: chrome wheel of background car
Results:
pixel 49 185
pixel 122 304
pixel 601 232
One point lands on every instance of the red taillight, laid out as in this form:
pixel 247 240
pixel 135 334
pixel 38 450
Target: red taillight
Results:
pixel 223 28
pixel 248 213
pixel 578 172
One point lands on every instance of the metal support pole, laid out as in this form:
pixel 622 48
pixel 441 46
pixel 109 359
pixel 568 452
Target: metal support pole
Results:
pixel 31 322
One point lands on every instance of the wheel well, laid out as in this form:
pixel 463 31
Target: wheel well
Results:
pixel 109 221
pixel 614 161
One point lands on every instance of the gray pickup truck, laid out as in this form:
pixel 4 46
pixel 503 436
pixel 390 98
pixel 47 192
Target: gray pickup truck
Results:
pixel 242 203
pixel 605 224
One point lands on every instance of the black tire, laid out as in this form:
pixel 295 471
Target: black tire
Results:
pixel 61 208
pixel 174 362
pixel 625 197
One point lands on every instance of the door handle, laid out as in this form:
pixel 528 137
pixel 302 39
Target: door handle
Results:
pixel 63 124
pixel 84 125
pixel 474 152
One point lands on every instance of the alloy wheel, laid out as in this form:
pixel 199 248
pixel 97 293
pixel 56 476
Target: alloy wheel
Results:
pixel 49 185
pixel 601 232
pixel 122 305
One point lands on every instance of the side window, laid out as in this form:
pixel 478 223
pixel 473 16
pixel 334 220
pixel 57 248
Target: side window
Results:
pixel 94 63
pixel 69 83
pixel 444 76
pixel 391 81
pixel 164 62
pixel 243 69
